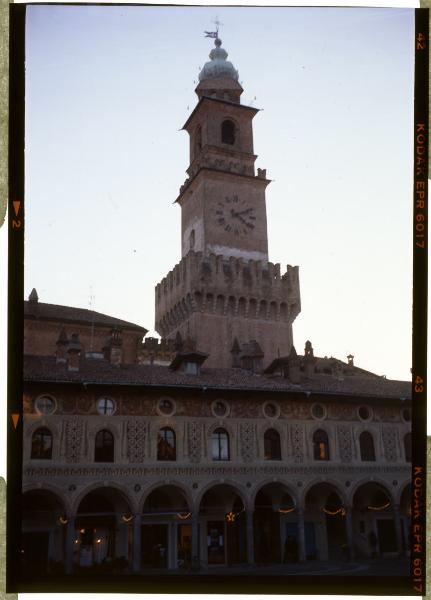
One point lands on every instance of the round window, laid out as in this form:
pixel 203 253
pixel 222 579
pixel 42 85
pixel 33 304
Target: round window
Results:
pixel 45 405
pixel 220 408
pixel 407 415
pixel 105 406
pixel 271 410
pixel 364 413
pixel 318 411
pixel 166 407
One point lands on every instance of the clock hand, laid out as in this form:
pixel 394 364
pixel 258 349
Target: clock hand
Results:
pixel 241 219
pixel 241 212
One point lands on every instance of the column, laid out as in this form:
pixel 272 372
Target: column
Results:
pixel 195 541
pixel 136 543
pixel 301 535
pixel 70 541
pixel 172 562
pixel 250 538
pixel 398 531
pixel 122 538
pixel 349 530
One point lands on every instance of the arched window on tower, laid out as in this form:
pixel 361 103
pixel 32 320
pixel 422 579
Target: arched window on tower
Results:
pixel 366 446
pixel 220 444
pixel 41 443
pixel 166 444
pixel 320 445
pixel 272 446
pixel 104 446
pixel 408 447
pixel 228 132
pixel 192 239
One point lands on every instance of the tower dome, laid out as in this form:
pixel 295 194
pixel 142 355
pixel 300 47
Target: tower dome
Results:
pixel 218 67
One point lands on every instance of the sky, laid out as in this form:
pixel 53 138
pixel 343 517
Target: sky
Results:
pixel 108 90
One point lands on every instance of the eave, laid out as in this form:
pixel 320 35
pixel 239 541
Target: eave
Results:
pixel 303 394
pixel 230 173
pixel 220 101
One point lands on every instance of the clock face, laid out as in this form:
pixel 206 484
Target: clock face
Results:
pixel 234 215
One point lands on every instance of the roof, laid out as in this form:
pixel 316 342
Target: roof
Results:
pixel 98 371
pixel 320 364
pixel 70 314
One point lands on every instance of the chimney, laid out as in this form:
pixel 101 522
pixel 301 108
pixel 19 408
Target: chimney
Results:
pixel 34 298
pixel 74 352
pixel 309 360
pixel 33 302
pixel 62 344
pixel 350 360
pixel 293 367
pixel 114 348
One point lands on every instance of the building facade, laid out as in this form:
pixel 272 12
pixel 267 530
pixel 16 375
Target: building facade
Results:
pixel 218 445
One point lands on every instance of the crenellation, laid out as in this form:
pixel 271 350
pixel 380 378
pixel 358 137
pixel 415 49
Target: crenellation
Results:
pixel 215 270
pixel 231 287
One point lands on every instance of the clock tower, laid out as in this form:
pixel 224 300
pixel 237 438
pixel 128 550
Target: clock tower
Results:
pixel 224 294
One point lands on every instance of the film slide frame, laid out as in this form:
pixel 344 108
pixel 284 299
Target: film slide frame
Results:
pixel 413 585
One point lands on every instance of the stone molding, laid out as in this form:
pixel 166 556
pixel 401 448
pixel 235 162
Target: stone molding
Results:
pixel 211 470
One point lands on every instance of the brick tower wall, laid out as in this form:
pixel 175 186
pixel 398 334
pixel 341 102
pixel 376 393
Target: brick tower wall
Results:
pixel 214 299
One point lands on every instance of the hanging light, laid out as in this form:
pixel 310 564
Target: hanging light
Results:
pixel 339 511
pixel 379 507
pixel 231 516
pixel 127 518
pixel 63 519
pixel 286 510
pixel 184 515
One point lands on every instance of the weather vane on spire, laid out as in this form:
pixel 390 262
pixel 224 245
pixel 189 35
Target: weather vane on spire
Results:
pixel 214 34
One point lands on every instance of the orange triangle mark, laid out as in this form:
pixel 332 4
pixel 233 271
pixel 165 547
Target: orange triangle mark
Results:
pixel 15 419
pixel 16 206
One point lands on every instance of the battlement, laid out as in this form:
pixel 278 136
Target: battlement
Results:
pixel 156 352
pixel 226 286
pixel 236 273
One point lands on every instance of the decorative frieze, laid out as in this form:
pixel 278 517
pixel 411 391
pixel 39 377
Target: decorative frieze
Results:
pixel 297 440
pixel 131 406
pixel 247 440
pixel 214 471
pixel 345 444
pixel 342 412
pixel 67 405
pixel 194 441
pixel 74 437
pixel 296 410
pixel 387 414
pixel 245 409
pixel 85 405
pixel 136 439
pixel 390 439
pixel 193 407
